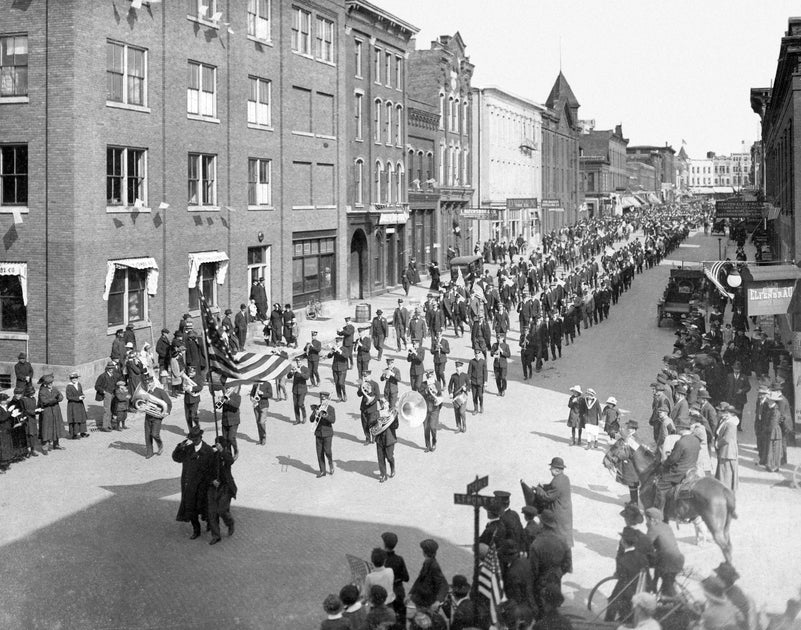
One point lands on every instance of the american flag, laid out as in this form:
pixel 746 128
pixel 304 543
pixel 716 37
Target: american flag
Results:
pixel 490 582
pixel 240 367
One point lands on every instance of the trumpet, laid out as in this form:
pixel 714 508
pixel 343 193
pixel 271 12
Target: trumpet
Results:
pixel 319 413
pixel 367 392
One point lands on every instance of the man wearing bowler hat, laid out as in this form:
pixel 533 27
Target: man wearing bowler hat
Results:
pixel 105 385
pixel 196 459
pixel 556 496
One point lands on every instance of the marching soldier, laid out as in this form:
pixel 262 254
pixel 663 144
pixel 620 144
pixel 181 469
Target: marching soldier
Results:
pixel 501 352
pixel 339 367
pixel 416 356
pixel 440 350
pixel 391 377
pixel 324 415
pixel 379 331
pixel 312 351
pixel 363 352
pixel 458 386
pixel 400 322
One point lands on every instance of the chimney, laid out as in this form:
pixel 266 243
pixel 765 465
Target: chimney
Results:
pixel 619 130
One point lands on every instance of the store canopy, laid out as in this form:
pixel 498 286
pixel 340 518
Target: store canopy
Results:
pixel 200 258
pixel 133 263
pixel 19 269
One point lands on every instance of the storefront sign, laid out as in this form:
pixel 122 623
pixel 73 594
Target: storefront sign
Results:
pixel 769 299
pixel 739 209
pixel 520 203
pixel 489 214
pixel 552 205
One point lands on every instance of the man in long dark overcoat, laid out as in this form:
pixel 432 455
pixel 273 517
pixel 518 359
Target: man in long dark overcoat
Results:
pixel 196 458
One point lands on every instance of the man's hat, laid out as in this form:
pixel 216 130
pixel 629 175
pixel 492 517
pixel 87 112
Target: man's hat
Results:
pixel 503 495
pixel 400 301
pixel 74 375
pixel 189 325
pixel 129 344
pixel 460 585
pixel 166 331
pixel 347 318
pixel 727 573
pixel 111 364
pixel 313 333
pixel 576 388
pixel 557 462
pixel 611 400
pixel 379 312
pixel 632 511
pixel 429 546
pixel 390 539
pixel 390 359
pixel 633 424
pixel 548 519
pixel 628 535
pixel 228 311
pixel 680 389
pixel 530 510
pixel 724 406
pixel 459 364
pixel 591 392
pixel 22 355
pixel 120 383
pixel 194 432
pixel 736 365
pixel 702 393
pixel 324 395
pixel 129 327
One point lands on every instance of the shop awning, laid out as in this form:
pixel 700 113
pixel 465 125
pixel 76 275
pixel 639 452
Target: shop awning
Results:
pixel 770 288
pixel 19 269
pixel 393 218
pixel 133 263
pixel 199 258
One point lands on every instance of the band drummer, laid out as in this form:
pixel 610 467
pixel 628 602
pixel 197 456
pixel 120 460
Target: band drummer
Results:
pixel 155 412
pixel 458 386
pixel 322 417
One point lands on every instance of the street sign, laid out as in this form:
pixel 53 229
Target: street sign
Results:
pixel 478 484
pixel 476 500
pixel 519 203
pixel 746 209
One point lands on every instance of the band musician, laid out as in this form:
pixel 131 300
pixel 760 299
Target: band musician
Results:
pixel 260 395
pixel 458 386
pixel 385 439
pixel 339 367
pixel 415 357
pixel 391 377
pixel 439 350
pixel 370 404
pixel 312 352
pixel 433 405
pixel 323 417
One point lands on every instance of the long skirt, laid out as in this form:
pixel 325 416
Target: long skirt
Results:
pixel 728 474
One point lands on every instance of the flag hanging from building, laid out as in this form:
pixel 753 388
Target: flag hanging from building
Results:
pixel 239 367
pixel 490 582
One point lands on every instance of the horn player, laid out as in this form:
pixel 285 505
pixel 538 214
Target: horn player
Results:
pixel 433 405
pixel 458 386
pixel 152 422
pixel 370 404
pixel 385 448
pixel 323 416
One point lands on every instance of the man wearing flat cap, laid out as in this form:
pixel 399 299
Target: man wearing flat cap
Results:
pixel 510 518
pixel 105 386
pixel 556 496
pixel 682 459
pixel 379 330
pixel 196 459
pixel 430 587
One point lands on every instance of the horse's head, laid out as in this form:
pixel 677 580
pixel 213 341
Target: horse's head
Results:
pixel 613 459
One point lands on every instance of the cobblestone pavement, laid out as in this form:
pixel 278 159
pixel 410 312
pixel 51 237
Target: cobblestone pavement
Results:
pixel 88 537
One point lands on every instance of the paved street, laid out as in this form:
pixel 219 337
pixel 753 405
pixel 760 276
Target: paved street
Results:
pixel 88 537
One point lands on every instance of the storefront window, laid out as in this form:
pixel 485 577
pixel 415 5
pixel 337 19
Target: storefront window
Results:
pixel 313 269
pixel 13 314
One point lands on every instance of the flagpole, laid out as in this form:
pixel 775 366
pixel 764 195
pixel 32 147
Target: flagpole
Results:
pixel 208 365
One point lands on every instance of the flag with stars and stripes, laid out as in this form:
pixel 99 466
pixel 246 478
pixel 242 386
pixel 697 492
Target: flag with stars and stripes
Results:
pixel 490 582
pixel 238 367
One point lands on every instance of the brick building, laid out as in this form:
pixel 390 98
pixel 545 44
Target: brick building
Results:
pixel 439 150
pixel 663 159
pixel 379 233
pixel 603 169
pixel 151 152
pixel 560 155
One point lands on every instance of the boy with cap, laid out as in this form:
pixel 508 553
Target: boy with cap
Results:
pixel 430 588
pixel 324 415
pixel 23 371
pixel 400 573
pixel 120 405
pixel 76 410
pixel 629 564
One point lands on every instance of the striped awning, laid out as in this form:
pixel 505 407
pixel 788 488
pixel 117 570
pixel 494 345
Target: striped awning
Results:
pixel 711 271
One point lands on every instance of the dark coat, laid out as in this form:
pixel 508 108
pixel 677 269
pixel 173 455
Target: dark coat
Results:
pixel 299 379
pixel 51 423
pixel 550 558
pixel 221 471
pixel 477 371
pixel 556 495
pixel 682 458
pixel 230 410
pixel 501 352
pixel 416 359
pixel 431 580
pixel 241 327
pixel 324 428
pixel 76 410
pixel 737 389
pixel 196 475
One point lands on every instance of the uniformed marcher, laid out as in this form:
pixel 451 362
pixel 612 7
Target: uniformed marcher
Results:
pixel 391 377
pixel 379 332
pixel 260 395
pixel 300 375
pixel 433 405
pixel 415 357
pixel 369 405
pixel 385 448
pixel 458 388
pixel 230 418
pixel 440 349
pixel 347 333
pixel 312 351
pixel 222 489
pixel 196 458
pixel 324 416
pixel 400 322
pixel 363 348
pixel 501 352
pixel 339 368
pixel 477 375
pixel 510 518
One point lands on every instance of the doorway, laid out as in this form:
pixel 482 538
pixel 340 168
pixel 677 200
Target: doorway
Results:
pixel 357 276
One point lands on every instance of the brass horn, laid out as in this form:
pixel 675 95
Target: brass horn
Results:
pixel 412 409
pixel 145 401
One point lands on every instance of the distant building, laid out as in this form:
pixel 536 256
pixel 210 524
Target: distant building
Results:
pixel 663 161
pixel 602 164
pixel 683 171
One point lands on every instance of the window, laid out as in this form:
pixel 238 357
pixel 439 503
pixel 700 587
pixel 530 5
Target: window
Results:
pixel 377 120
pixel 259 178
pixel 442 111
pixel 464 118
pixel 399 125
pixel 127 297
pixel 202 178
pixel 206 283
pixel 442 164
pixel 401 181
pixel 14 66
pixel 389 189
pixel 358 104
pixel 301 31
pixel 358 177
pixel 202 9
pixel 313 269
pixel 259 111
pixel 451 114
pixel 14 175
pixel 125 177
pixel 377 65
pixel 259 19
pixel 358 58
pixel 201 97
pixel 378 175
pixel 13 313
pixel 388 124
pixel 388 69
pixel 325 40
pixel 399 73
pixel 456 122
pixel 125 74
pixel 451 166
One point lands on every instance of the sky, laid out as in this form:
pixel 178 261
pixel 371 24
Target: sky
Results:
pixel 669 71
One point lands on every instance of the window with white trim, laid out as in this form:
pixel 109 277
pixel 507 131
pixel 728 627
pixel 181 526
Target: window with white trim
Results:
pixel 126 69
pixel 401 181
pixel 451 166
pixel 358 181
pixel 259 108
pixel 259 15
pixel 441 110
pixel 13 66
pixel 389 189
pixel 126 182
pixel 358 107
pixel 377 53
pixel 465 167
pixel 202 180
pixel 388 69
pixel 201 9
pixel 301 31
pixel 201 93
pixel 442 165
pixel 259 182
pixel 14 175
pixel 399 73
pixel 206 282
pixel 325 40
pixel 388 124
pixel 451 115
pixel 127 296
pixel 358 54
pixel 377 120
pixel 13 312
pixel 378 175
pixel 399 125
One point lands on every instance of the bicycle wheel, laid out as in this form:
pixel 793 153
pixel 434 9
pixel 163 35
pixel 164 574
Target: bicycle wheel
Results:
pixel 601 593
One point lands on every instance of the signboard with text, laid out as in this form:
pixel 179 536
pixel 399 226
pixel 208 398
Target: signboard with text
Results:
pixel 552 205
pixel 740 209
pixel 769 298
pixel 490 214
pixel 520 203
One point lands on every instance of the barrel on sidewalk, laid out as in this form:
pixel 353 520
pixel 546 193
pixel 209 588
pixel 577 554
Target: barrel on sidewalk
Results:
pixel 363 313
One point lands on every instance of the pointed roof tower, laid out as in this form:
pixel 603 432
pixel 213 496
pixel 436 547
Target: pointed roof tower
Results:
pixel 562 100
pixel 683 154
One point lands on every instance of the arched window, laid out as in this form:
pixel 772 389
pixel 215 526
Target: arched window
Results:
pixel 450 113
pixel 420 174
pixel 464 118
pixel 456 108
pixel 378 175
pixel 457 166
pixel 390 187
pixel 442 153
pixel 377 120
pixel 358 177
pixel 465 167
pixel 399 125
pixel 441 110
pixel 388 124
pixel 401 175
pixel 429 165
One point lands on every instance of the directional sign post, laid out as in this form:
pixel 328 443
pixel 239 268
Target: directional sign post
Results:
pixel 471 497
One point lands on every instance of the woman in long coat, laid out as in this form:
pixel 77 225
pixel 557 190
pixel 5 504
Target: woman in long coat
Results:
pixel 276 323
pixel 592 418
pixel 76 410
pixel 51 422
pixel 577 411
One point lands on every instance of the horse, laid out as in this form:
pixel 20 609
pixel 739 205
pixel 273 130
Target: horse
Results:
pixel 708 497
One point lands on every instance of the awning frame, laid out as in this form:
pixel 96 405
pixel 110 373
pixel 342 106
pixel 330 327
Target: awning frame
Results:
pixel 144 262
pixel 19 269
pixel 198 258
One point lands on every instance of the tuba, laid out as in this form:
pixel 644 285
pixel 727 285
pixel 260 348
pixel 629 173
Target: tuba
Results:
pixel 145 401
pixel 412 409
pixel 383 422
